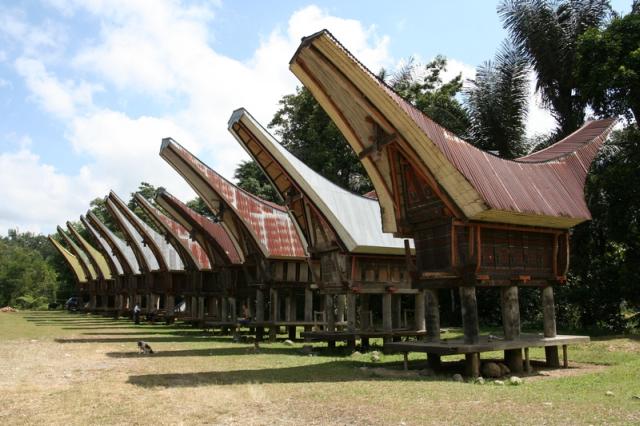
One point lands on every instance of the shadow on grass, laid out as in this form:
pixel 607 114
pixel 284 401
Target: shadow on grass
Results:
pixel 197 338
pixel 334 371
pixel 234 351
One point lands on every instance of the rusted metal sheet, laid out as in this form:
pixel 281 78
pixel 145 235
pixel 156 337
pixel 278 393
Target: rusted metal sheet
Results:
pixel 119 248
pixel 269 224
pixel 545 189
pixel 71 260
pixel 112 259
pixel 355 219
pixel 158 254
pixel 200 224
pixel 193 253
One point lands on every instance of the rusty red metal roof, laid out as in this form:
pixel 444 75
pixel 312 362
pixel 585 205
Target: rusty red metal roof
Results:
pixel 214 231
pixel 269 224
pixel 194 254
pixel 548 183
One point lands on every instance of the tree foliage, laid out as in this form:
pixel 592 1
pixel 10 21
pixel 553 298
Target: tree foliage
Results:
pixel 307 131
pixel 608 67
pixel 497 103
pixel 547 33
pixel 251 178
pixel 605 271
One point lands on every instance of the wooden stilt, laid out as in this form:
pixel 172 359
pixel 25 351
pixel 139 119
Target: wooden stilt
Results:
pixel 341 301
pixel 511 326
pixel 472 364
pixel 565 357
pixel 351 319
pixel 549 320
pixel 330 318
pixel 469 306
pixel 420 319
pixel 527 360
pixel 405 361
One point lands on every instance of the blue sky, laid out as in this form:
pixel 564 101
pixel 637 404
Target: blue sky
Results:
pixel 89 87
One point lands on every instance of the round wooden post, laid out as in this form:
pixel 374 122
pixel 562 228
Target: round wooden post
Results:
pixel 291 313
pixel 469 307
pixel 364 319
pixel 308 305
pixel 351 319
pixel 259 313
pixel 432 319
pixel 511 326
pixel 331 318
pixel 549 320
pixel 419 311
pixel 387 314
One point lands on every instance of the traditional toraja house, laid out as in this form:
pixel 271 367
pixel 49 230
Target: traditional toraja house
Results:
pixel 266 238
pixel 105 284
pixel 131 278
pixel 158 260
pixel 357 260
pixel 477 220
pixel 93 278
pixel 74 264
pixel 226 282
pixel 190 285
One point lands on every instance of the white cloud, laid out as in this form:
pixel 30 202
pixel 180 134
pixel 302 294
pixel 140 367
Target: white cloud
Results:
pixel 56 97
pixel 160 52
pixel 539 120
pixel 36 196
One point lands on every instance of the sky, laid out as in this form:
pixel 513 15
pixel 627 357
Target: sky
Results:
pixel 88 88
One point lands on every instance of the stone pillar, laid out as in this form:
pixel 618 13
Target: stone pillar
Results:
pixel 419 311
pixel 549 320
pixel 511 326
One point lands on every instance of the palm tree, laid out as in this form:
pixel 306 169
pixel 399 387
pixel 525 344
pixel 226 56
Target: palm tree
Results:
pixel 497 101
pixel 546 32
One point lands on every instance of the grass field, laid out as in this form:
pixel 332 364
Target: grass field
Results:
pixel 59 368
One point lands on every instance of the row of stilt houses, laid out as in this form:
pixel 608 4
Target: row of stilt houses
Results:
pixel 342 267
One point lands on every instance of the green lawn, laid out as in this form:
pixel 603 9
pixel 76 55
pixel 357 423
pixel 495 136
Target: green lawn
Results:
pixel 59 368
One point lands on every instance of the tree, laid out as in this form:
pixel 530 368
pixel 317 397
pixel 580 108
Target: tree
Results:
pixel 199 206
pixel 605 271
pixel 497 102
pixel 609 67
pixel 251 178
pixel 547 33
pixel 424 89
pixel 308 132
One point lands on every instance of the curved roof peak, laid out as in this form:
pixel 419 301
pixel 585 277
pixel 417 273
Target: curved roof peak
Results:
pixel 542 189
pixel 269 225
pixel 355 218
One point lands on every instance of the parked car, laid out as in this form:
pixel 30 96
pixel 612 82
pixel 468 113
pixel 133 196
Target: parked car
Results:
pixel 72 304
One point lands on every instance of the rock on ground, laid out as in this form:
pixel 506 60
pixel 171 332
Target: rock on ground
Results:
pixel 491 369
pixel 515 380
pixel 458 378
pixel 288 342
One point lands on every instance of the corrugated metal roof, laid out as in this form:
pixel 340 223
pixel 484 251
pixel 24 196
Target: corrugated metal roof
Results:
pixel 97 259
pixel 127 255
pixel 269 224
pixel 159 254
pixel 355 219
pixel 214 231
pixel 179 236
pixel 542 186
pixel 104 247
pixel 85 263
pixel 71 260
